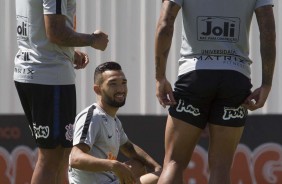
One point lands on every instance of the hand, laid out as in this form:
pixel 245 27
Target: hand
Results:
pixel 154 168
pixel 100 40
pixel 124 173
pixel 164 93
pixel 80 59
pixel 158 168
pixel 257 98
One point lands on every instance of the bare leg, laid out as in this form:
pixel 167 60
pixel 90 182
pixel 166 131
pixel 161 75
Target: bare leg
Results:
pixel 180 141
pixel 63 170
pixel 223 144
pixel 51 166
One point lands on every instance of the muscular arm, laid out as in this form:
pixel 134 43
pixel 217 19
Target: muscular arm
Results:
pixel 266 24
pixel 135 152
pixel 80 159
pixel 163 36
pixel 58 33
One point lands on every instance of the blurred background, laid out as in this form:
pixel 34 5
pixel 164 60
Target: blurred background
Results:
pixel 131 25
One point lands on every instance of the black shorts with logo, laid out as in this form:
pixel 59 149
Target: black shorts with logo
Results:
pixel 211 96
pixel 50 110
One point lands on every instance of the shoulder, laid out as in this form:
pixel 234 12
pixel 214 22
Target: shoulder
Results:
pixel 85 112
pixel 90 115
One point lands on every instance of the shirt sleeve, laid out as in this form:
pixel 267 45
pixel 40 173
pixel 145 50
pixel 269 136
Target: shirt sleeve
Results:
pixel 261 3
pixel 179 2
pixel 55 7
pixel 86 131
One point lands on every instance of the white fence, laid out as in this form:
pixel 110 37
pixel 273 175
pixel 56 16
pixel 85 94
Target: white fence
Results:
pixel 131 28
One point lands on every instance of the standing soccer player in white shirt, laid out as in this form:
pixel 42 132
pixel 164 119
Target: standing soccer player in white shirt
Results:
pixel 214 85
pixel 45 79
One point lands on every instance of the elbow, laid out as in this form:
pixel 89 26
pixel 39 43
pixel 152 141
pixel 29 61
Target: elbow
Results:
pixel 164 28
pixel 74 161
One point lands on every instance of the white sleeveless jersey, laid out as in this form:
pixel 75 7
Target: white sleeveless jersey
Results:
pixel 38 60
pixel 215 34
pixel 104 135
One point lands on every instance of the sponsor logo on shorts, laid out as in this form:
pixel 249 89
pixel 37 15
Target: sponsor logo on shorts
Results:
pixel 69 132
pixel 182 107
pixel 233 113
pixel 41 131
pixel 30 128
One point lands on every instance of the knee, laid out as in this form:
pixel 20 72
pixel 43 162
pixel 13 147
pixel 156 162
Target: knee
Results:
pixel 53 163
pixel 50 164
pixel 220 174
pixel 220 167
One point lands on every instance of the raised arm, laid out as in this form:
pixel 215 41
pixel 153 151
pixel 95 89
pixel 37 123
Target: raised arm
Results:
pixel 163 37
pixel 266 24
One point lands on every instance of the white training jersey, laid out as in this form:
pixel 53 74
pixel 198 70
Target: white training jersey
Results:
pixel 215 34
pixel 38 60
pixel 104 135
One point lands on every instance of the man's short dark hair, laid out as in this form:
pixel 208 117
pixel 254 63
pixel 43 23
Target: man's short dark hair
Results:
pixel 110 65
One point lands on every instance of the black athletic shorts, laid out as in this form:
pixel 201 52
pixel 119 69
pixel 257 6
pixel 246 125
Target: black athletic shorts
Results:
pixel 211 96
pixel 50 110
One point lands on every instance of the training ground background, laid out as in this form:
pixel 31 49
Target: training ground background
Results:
pixel 131 27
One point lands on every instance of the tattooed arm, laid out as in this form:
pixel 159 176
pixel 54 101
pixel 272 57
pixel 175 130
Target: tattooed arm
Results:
pixel 58 33
pixel 163 37
pixel 133 151
pixel 266 24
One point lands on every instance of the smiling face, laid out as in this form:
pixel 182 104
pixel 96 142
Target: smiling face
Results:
pixel 113 89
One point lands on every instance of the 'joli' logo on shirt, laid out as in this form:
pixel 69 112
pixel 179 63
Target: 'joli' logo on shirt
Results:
pixel 22 28
pixel 220 29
